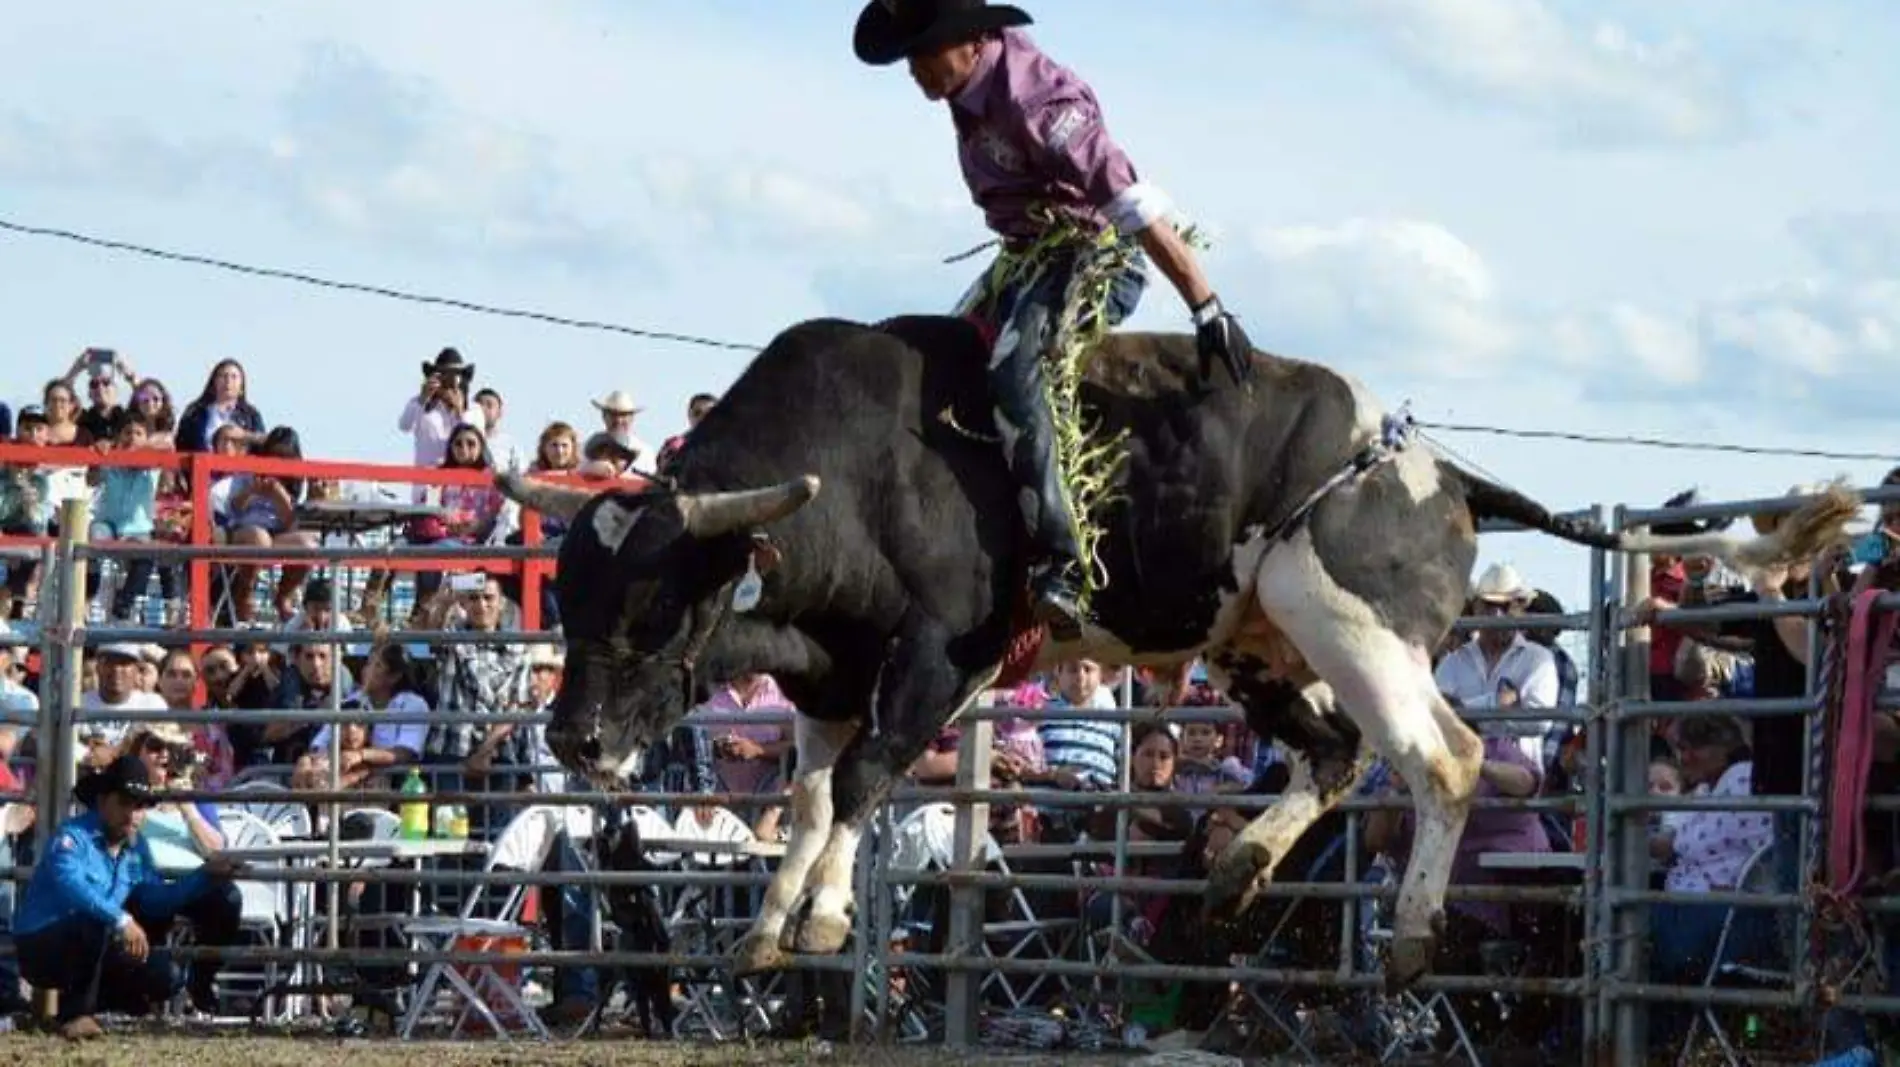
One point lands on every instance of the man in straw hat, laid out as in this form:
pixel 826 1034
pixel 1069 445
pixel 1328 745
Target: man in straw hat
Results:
pixel 97 906
pixel 617 410
pixel 1037 158
pixel 1501 668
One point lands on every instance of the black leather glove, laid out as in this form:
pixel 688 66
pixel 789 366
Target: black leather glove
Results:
pixel 1217 335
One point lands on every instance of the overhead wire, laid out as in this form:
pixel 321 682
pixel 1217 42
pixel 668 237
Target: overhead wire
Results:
pixel 674 337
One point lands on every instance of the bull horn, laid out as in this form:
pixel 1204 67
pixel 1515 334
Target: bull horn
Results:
pixel 712 514
pixel 556 501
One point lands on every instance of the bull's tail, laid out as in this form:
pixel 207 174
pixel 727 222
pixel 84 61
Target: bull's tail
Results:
pixel 1817 525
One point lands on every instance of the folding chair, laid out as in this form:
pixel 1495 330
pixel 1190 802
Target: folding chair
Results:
pixel 1278 1008
pixel 522 846
pixel 1726 969
pixel 1407 1024
pixel 707 917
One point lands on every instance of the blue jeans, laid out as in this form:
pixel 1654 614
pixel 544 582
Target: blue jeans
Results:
pixel 574 931
pixel 1025 313
pixel 82 959
pixel 138 572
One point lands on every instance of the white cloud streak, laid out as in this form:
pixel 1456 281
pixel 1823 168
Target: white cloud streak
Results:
pixel 1594 81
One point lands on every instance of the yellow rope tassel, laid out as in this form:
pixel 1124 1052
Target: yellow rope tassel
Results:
pixel 1091 464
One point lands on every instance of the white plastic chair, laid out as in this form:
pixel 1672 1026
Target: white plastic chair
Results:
pixel 265 906
pixel 523 846
pixel 274 805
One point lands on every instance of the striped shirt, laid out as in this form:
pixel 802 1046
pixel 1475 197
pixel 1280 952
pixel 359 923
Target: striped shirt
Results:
pixel 1091 749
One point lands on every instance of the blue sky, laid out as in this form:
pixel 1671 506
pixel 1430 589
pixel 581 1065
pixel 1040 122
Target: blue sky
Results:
pixel 1611 217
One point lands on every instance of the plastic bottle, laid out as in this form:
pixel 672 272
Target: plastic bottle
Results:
pixel 458 824
pixel 415 813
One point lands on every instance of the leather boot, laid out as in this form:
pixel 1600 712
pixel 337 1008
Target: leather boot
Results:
pixel 1028 431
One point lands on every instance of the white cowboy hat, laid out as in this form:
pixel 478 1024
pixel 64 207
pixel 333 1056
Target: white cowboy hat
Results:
pixel 1501 584
pixel 618 402
pixel 546 656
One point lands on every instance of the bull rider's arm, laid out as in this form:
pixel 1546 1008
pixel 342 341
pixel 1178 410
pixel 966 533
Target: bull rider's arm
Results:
pixel 1177 261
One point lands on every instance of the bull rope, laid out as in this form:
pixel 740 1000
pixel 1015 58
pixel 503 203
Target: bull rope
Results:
pixel 1091 462
pixel 1841 951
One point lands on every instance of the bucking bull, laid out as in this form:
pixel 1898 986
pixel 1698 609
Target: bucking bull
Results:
pixel 886 603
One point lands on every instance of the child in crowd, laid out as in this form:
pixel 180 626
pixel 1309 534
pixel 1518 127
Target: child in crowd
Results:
pixel 128 499
pixel 313 767
pixel 1203 766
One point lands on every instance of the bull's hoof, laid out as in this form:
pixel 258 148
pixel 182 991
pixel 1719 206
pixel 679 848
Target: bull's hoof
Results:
pixel 1234 883
pixel 757 955
pixel 822 935
pixel 1411 957
pixel 1410 960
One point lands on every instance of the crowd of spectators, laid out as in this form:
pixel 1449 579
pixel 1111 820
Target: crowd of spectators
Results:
pixel 455 423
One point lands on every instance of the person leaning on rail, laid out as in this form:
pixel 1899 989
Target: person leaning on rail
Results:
pixel 97 905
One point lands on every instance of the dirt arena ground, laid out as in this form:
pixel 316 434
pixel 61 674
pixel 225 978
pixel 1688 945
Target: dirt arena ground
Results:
pixel 251 1051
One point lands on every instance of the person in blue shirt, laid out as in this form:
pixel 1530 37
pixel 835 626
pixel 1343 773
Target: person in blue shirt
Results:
pixel 98 906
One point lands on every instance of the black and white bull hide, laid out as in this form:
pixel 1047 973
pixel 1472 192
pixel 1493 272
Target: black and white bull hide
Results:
pixel 894 591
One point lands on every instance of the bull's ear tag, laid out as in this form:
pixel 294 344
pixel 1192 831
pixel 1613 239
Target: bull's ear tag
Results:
pixel 745 596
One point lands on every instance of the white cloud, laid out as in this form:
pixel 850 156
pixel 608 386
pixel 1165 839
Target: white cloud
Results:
pixel 1406 294
pixel 1824 328
pixel 391 161
pixel 1665 351
pixel 1853 243
pixel 1597 80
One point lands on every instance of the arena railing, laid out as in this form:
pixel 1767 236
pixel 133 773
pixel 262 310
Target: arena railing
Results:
pixel 201 471
pixel 1613 986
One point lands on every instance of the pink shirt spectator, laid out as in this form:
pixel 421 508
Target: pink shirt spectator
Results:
pixel 1020 737
pixel 470 503
pixel 1712 847
pixel 1491 830
pixel 215 755
pixel 749 776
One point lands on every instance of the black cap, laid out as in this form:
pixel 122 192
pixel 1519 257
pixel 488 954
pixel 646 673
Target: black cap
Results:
pixel 127 776
pixel 30 413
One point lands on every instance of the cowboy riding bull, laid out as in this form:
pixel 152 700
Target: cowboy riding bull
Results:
pixel 1266 518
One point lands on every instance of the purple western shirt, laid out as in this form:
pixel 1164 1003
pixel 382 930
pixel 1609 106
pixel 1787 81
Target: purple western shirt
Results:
pixel 1029 131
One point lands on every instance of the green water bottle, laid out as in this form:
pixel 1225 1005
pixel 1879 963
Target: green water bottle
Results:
pixel 1751 1029
pixel 415 813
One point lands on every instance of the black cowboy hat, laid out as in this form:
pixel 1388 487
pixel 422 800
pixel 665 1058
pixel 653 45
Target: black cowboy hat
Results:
pixel 890 30
pixel 127 776
pixel 449 364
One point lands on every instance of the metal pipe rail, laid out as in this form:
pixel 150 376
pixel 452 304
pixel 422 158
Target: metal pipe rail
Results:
pixel 159 552
pixel 94 636
pixel 1735 509
pixel 1045 798
pixel 1169 972
pixel 385 957
pixel 1158 716
pixel 1187 887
